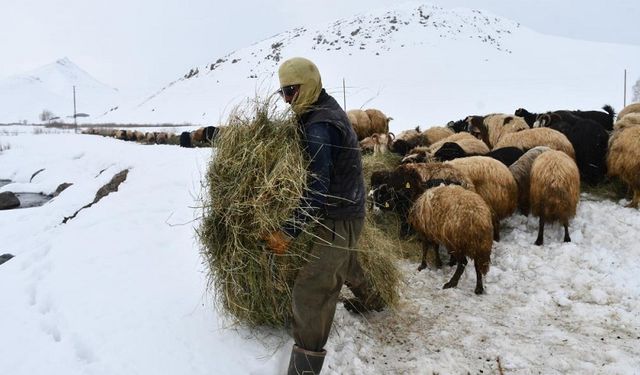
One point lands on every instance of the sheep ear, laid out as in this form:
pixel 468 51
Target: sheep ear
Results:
pixel 386 204
pixel 407 185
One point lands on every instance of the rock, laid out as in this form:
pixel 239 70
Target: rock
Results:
pixel 5 257
pixel 8 200
pixel 61 188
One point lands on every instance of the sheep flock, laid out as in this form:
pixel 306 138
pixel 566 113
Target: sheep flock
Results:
pixel 452 185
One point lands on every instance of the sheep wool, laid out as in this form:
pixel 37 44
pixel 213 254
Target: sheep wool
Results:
pixel 554 190
pixel 623 159
pixel 436 133
pixel 460 220
pixel 360 123
pixel 521 171
pixel 530 138
pixel 493 182
pixel 379 121
pixel 631 108
pixel 500 124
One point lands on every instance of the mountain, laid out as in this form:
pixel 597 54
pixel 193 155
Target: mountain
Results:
pixel 50 87
pixel 444 64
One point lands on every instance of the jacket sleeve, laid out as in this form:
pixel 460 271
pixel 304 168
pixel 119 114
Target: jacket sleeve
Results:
pixel 320 140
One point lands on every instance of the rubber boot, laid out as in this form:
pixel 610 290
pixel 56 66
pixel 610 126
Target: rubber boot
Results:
pixel 305 362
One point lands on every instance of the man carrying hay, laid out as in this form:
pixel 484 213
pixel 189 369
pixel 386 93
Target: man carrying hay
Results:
pixel 335 202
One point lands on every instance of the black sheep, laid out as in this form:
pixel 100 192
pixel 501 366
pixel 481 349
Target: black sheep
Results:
pixel 590 142
pixel 506 155
pixel 185 139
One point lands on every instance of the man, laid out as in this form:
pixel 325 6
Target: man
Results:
pixel 335 202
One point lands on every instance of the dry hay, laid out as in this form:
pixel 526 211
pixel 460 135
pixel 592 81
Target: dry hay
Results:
pixel 254 182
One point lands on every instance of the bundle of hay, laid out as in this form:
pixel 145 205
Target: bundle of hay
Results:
pixel 254 182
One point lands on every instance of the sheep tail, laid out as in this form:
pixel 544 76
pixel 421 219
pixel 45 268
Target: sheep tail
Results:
pixel 609 109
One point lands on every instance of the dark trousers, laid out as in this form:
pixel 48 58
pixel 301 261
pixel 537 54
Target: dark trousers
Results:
pixel 333 262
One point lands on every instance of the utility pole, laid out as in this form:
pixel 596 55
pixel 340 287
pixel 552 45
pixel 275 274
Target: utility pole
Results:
pixel 624 101
pixel 75 118
pixel 344 95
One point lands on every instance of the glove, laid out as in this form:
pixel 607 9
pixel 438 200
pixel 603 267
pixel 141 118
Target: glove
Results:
pixel 278 242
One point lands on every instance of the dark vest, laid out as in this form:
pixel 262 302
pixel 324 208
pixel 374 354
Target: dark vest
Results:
pixel 346 188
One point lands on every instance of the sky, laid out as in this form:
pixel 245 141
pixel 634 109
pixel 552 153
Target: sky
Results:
pixel 139 46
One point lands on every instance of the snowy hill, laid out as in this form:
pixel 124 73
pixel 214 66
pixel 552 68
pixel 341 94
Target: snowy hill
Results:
pixel 443 64
pixel 50 87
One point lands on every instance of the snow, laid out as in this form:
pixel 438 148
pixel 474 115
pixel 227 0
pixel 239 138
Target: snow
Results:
pixel 121 288
pixel 420 64
pixel 50 87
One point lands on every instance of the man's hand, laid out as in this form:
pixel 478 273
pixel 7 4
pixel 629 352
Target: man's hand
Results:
pixel 277 242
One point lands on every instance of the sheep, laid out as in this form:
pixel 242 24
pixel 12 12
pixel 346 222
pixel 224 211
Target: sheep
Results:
pixel 150 138
pixel 494 183
pixel 492 127
pixel 623 159
pixel 452 150
pixel 436 133
pixel 469 144
pixel 185 139
pixel 521 171
pixel 631 108
pixel 397 189
pixel 161 138
pixel 122 135
pixel 361 123
pixel 530 138
pixel 458 126
pixel 407 140
pixel 460 220
pixel 529 118
pixel 377 143
pixel 605 119
pixel 554 191
pixel 379 121
pixel 629 120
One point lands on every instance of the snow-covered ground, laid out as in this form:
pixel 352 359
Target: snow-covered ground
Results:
pixel 121 288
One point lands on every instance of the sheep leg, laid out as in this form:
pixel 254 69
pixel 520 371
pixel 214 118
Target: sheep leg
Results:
pixel 636 199
pixel 540 231
pixel 425 249
pixel 496 229
pixel 566 232
pixel 437 254
pixel 479 287
pixel 462 262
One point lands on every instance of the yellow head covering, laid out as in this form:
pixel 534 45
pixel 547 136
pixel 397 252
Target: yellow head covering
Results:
pixel 303 72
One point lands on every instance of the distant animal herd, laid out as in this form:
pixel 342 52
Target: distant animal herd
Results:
pixel 455 183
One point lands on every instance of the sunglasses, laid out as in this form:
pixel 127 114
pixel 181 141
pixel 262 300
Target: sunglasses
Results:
pixel 288 90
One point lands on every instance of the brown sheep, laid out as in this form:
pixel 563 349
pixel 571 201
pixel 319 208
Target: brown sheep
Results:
pixel 554 191
pixel 521 171
pixel 631 108
pixel 361 123
pixel 377 143
pixel 494 183
pixel 436 133
pixel 467 142
pixel 397 189
pixel 491 128
pixel 161 138
pixel 461 221
pixel 530 138
pixel 629 120
pixel 379 121
pixel 623 158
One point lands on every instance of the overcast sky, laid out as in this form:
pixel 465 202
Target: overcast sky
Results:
pixel 140 45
